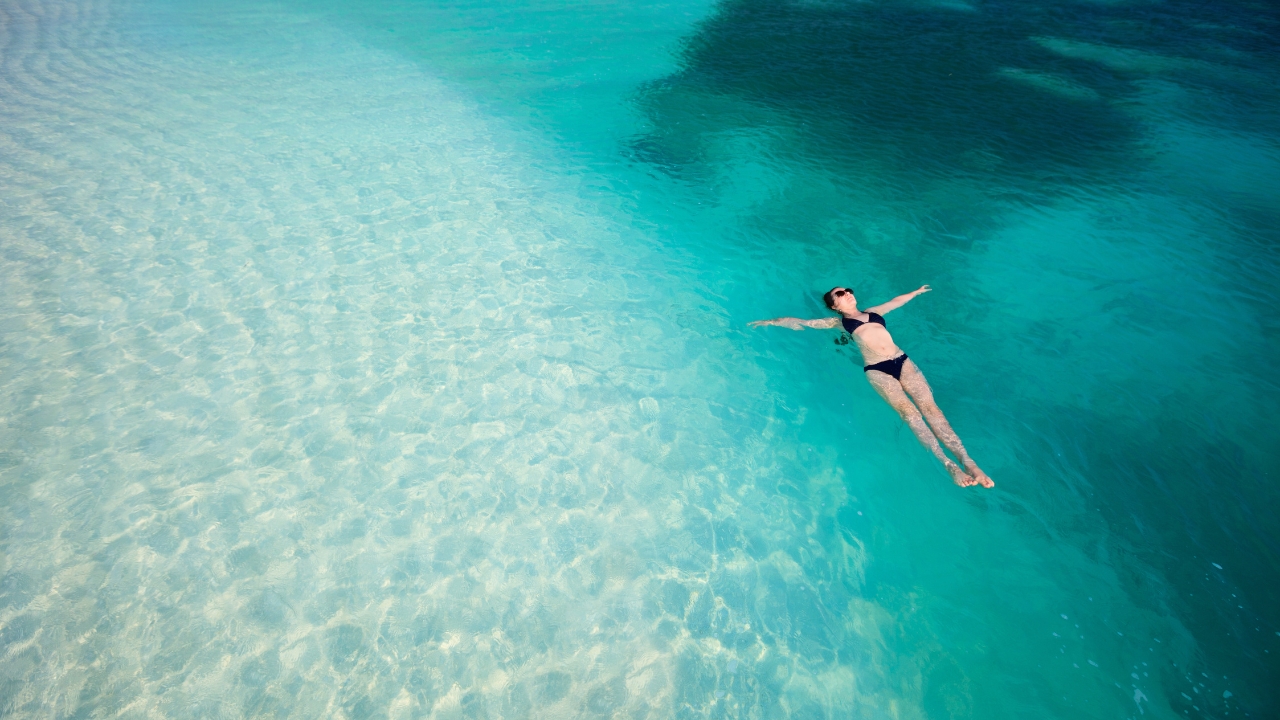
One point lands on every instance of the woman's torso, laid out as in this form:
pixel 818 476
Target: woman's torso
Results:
pixel 873 339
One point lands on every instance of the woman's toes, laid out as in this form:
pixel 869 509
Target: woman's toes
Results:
pixel 980 477
pixel 961 478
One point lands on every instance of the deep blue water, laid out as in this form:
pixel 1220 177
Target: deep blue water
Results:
pixel 391 359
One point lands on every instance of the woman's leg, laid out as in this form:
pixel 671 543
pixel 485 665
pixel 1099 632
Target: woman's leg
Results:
pixel 918 388
pixel 892 392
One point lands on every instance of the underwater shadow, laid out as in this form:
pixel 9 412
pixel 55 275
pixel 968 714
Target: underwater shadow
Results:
pixel 1028 96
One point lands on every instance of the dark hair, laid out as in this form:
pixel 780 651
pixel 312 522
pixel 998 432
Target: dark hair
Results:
pixel 829 298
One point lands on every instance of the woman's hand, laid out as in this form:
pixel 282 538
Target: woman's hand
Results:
pixel 899 301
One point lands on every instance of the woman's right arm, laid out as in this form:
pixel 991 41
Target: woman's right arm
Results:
pixel 798 324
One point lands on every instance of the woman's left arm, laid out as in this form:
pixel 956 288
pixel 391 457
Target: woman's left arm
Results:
pixel 898 302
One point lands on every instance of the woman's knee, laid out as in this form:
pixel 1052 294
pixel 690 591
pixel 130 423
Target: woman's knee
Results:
pixel 931 411
pixel 908 411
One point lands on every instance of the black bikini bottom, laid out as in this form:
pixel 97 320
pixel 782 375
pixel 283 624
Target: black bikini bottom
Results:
pixel 889 367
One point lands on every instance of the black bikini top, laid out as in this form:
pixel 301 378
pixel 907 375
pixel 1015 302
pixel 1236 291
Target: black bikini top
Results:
pixel 850 324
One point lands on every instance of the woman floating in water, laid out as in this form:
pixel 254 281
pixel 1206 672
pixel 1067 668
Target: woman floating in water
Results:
pixel 894 376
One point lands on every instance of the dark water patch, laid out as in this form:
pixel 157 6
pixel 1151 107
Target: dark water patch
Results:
pixel 1191 504
pixel 1012 99
pixel 346 645
pixel 920 88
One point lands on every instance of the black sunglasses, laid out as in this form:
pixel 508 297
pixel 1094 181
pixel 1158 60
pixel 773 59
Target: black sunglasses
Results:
pixel 839 293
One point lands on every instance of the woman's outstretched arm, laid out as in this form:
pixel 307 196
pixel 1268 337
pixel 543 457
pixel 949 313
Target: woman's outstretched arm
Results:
pixel 798 324
pixel 898 302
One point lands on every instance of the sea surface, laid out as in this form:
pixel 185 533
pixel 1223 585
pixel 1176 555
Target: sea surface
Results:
pixel 388 359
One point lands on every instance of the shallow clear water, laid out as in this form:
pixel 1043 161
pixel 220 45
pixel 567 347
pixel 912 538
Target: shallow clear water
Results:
pixel 391 359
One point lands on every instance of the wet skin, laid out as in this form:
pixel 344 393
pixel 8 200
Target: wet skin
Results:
pixel 910 395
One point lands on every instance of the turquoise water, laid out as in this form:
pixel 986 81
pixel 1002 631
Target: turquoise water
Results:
pixel 391 360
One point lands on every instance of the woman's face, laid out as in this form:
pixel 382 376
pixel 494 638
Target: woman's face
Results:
pixel 842 300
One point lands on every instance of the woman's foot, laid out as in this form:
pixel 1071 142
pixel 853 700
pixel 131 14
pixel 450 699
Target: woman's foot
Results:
pixel 960 477
pixel 979 476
